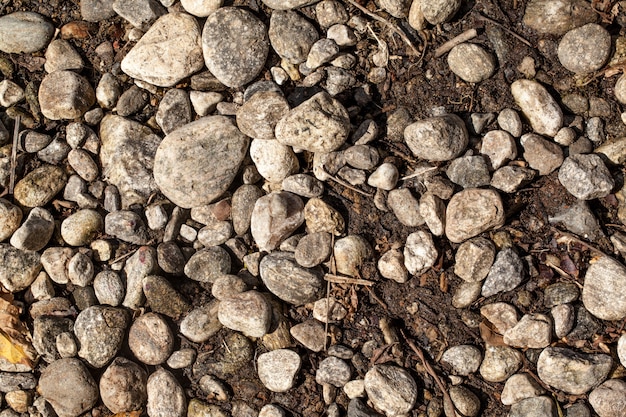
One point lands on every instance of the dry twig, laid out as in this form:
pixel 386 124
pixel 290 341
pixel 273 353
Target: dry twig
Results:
pixel 504 28
pixel 338 279
pixel 457 40
pixel 345 184
pixel 568 239
pixel 386 22
pixel 448 406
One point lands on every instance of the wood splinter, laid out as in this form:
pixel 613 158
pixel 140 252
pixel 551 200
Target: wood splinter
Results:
pixel 457 40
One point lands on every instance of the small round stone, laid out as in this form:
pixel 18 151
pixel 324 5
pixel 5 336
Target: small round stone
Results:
pixel 278 369
pixel 471 62
pixel 82 227
pixel 109 288
pixel 123 386
pixel 78 392
pixel 440 11
pixel 248 312
pixel 65 95
pixel 391 389
pixel 165 395
pixel 585 49
pixel 500 362
pixel 10 218
pixel 333 371
pixel 150 339
pixel 463 359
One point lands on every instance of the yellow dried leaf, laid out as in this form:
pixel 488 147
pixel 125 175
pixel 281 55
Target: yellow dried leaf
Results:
pixel 13 352
pixel 15 341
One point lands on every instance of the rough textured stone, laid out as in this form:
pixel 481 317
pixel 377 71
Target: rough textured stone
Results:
pixel 35 232
pixel 273 160
pixel 585 49
pixel 18 269
pixel 201 323
pixel 500 363
pixel 10 218
pixel 258 116
pixel 441 138
pixel 603 293
pixel 506 273
pixel 586 176
pixel 320 124
pixel 100 331
pixel 290 282
pixel 65 95
pixel 24 32
pixel 543 112
pixel 471 62
pixel 78 392
pixel 291 35
pixel 206 265
pixel 278 369
pixel 609 399
pixel 519 387
pixel 533 331
pixel 350 252
pixel 274 218
pixel 558 16
pixel 123 386
pixel 333 371
pixel 572 372
pixel 235 45
pixel 471 212
pixel 150 339
pixel 463 359
pixel 440 11
pixel 166 397
pixel 420 252
pixel 474 259
pixel 391 389
pixel 40 186
pixel 195 164
pixel 169 51
pixel 534 407
pixel 248 312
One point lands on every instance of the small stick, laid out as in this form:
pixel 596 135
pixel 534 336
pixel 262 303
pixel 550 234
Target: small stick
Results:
pixel 568 238
pixel 386 22
pixel 507 30
pixel 345 184
pixel 457 40
pixel 448 405
pixel 337 279
pixel 16 132
pixel 333 269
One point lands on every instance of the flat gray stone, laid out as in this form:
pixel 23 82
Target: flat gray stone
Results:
pixel 585 49
pixel 291 35
pixel 290 282
pixel 603 293
pixel 391 389
pixel 573 372
pixel 195 165
pixel 586 176
pixel 506 273
pixel 440 138
pixel 24 32
pixel 534 407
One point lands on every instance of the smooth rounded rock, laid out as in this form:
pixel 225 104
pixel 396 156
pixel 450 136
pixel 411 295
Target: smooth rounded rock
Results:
pixel 201 8
pixel 100 331
pixel 78 392
pixel 248 312
pixel 82 227
pixel 150 339
pixel 258 116
pixel 585 49
pixel 603 293
pixel 10 219
pixel 235 45
pixel 289 281
pixel 440 11
pixel 166 397
pixel 291 35
pixel 500 362
pixel 65 95
pixel 273 160
pixel 123 386
pixel 463 359
pixel 35 232
pixel 556 17
pixel 471 62
pixel 206 265
pixel 609 399
pixel 333 371
pixel 543 112
pixel 350 252
pixel 474 259
pixel 195 164
pixel 519 387
pixel 441 138
pixel 24 32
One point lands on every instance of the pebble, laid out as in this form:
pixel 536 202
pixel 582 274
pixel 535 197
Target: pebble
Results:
pixel 471 63
pixel 621 349
pixel 54 261
pixel 310 333
pixel 620 89
pixel 560 293
pixel 397 8
pixel 329 310
pixel 474 259
pixel 201 323
pixel 109 288
pixel 207 264
pixel 465 401
pixel 405 207
pixel 500 363
pixel 385 177
pixel 227 286
pixel 469 171
pixel 543 112
pixel 320 124
pixel 570 371
pixel 534 407
pixel 18 268
pixel 463 359
pixel 274 218
pixel 321 217
pixel 391 389
pixel 602 294
pixel 313 249
pixel 83 164
pixel 214 388
pixel 420 252
pixel 609 399
pixel 108 91
pixel 440 138
pixel 303 185
pixel 506 273
pixel 150 339
pixel 291 35
pixel 243 203
pixel 174 110
pixel 55 152
pixel 156 216
pixel 464 221
pixel 131 101
pixel 326 164
pixel 586 176
pixel 557 17
pixel 40 186
pixel 205 103
pixel 509 178
pixel 333 371
pixel 290 282
pixel 278 369
pixel 519 387
pixel 82 227
pixel 24 32
pixel 65 95
pixel 509 121
pixel 215 234
pixel 533 331
pixel 78 392
pixel 595 130
pixel 542 155
pixel 228 31
pixel 330 12
pixel 355 388
pixel 350 253
pixel 321 52
pixel 163 298
pixel 563 316
pixel 10 381
pixel 273 160
pixel 578 218
pixel 499 147
pixel 123 386
pixel 10 219
pixel 466 293
pixel 168 52
pixel 35 232
pixel 10 93
pixel 342 35
pixel 248 312
pixel 182 155
pixel 391 266
pixel 166 398
pixel 361 157
pixel 100 332
pixel 61 55
pixel 80 270
pixel 356 408
pixel 433 210
pixel 585 49
pixel 201 8
pixel 42 288
pixel 440 11
pixel 127 226
pixel 258 116
pixel 139 13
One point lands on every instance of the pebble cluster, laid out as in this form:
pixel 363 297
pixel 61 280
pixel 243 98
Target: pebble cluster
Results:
pixel 230 172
